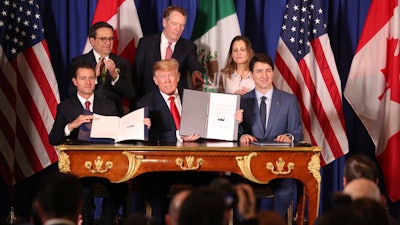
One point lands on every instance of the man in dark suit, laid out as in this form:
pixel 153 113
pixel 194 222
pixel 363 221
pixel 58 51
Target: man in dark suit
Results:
pixel 281 122
pixel 70 116
pixel 153 48
pixel 114 78
pixel 166 77
pixel 163 128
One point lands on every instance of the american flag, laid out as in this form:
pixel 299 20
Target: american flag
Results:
pixel 29 92
pixel 305 66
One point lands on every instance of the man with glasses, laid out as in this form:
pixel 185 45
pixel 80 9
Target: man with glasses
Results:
pixel 114 78
pixel 165 45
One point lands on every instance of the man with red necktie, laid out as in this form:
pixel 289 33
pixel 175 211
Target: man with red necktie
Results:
pixel 70 116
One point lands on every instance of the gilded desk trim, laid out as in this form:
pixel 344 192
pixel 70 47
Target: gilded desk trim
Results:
pixel 196 158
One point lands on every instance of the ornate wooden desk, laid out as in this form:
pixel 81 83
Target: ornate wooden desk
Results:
pixel 121 162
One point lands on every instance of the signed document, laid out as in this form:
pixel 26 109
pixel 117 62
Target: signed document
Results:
pixel 210 115
pixel 128 127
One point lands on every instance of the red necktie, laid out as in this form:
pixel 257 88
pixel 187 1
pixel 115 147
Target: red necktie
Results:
pixel 87 105
pixel 174 112
pixel 168 53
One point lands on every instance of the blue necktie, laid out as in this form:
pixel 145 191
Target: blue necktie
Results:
pixel 263 111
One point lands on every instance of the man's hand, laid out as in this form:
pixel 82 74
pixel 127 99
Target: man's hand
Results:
pixel 110 65
pixel 192 137
pixel 283 138
pixel 79 121
pixel 239 115
pixel 246 138
pixel 147 122
pixel 197 80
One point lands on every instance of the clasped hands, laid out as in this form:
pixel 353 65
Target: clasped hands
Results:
pixel 110 66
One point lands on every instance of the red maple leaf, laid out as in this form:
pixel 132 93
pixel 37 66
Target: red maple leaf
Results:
pixel 392 70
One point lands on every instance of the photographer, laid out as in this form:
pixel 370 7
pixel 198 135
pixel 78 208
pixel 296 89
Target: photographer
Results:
pixel 240 198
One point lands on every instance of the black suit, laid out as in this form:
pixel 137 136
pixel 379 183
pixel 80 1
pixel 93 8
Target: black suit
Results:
pixel 148 52
pixel 122 88
pixel 67 111
pixel 162 124
pixel 157 184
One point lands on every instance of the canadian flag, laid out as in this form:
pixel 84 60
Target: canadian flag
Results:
pixel 373 87
pixel 123 16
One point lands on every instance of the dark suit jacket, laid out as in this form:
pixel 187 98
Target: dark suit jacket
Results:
pixel 69 109
pixel 148 52
pixel 162 124
pixel 284 116
pixel 124 86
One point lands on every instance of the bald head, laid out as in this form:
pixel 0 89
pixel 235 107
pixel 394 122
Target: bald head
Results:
pixel 174 206
pixel 362 188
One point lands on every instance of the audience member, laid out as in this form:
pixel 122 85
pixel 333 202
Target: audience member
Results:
pixel 360 166
pixel 171 218
pixel 139 219
pixel 165 45
pixel 360 211
pixel 203 206
pixel 114 77
pixel 371 210
pixel 270 114
pixel 361 177
pixel 70 116
pixel 236 77
pixel 59 200
pixel 343 215
pixel 363 188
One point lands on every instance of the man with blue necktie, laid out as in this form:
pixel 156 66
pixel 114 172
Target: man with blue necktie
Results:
pixel 270 114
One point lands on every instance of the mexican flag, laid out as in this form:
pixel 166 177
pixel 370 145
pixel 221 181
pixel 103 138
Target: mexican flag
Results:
pixel 215 26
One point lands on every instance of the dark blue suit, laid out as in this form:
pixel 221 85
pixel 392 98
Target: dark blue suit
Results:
pixel 148 52
pixel 162 124
pixel 284 118
pixel 67 111
pixel 122 88
pixel 157 184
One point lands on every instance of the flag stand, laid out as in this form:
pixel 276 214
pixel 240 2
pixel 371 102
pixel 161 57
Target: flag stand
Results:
pixel 12 217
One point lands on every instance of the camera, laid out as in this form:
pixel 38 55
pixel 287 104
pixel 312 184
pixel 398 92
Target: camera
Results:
pixel 223 185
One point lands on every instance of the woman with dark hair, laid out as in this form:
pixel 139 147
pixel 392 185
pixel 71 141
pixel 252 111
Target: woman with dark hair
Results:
pixel 236 77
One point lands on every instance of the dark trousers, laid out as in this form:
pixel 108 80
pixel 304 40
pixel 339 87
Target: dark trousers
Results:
pixel 117 193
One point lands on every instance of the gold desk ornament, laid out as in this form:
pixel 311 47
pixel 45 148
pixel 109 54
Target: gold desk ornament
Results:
pixel 314 167
pixel 280 163
pixel 133 166
pixel 244 164
pixel 189 162
pixel 98 163
pixel 64 163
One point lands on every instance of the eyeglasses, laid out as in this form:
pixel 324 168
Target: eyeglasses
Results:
pixel 104 39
